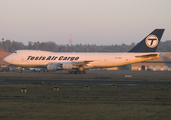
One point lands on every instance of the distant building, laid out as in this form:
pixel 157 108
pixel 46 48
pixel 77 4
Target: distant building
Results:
pixel 160 64
pixel 3 54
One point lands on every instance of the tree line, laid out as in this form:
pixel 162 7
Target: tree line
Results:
pixel 11 46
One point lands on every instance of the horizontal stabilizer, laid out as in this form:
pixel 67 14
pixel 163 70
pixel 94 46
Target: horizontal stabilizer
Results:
pixel 162 54
pixel 146 56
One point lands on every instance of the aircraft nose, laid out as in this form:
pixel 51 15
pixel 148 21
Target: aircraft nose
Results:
pixel 7 59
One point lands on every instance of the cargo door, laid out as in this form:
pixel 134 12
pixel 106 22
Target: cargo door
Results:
pixel 22 59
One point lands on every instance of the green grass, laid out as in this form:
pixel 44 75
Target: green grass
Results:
pixel 73 102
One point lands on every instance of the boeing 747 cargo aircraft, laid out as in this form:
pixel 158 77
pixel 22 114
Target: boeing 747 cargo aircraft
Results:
pixel 79 62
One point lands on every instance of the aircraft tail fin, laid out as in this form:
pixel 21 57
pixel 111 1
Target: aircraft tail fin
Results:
pixel 149 43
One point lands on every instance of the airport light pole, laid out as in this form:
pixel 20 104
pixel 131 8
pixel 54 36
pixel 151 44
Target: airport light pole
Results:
pixel 66 47
pixel 38 45
pixel 2 51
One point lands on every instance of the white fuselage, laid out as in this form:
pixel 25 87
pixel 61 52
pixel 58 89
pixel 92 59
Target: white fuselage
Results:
pixel 35 58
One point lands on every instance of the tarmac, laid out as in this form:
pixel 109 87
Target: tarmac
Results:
pixel 113 72
pixel 92 82
pixel 97 82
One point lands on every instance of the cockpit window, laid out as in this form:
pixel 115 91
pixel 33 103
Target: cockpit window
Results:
pixel 15 52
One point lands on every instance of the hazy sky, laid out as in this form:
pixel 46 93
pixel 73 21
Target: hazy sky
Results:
pixel 89 21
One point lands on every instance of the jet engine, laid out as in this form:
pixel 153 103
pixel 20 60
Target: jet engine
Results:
pixel 60 66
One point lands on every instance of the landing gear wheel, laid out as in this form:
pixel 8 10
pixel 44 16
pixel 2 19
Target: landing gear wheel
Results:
pixel 70 72
pixel 84 72
pixel 77 72
pixel 81 72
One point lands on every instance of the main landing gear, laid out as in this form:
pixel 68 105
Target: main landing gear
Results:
pixel 76 72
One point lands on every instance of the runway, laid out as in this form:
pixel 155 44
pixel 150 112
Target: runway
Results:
pixel 128 72
pixel 89 82
pixel 106 72
pixel 71 80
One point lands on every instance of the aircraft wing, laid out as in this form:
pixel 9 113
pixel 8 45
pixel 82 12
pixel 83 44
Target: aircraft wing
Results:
pixel 77 63
pixel 67 65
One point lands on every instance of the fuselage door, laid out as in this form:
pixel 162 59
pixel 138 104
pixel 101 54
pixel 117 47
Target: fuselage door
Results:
pixel 127 60
pixel 22 59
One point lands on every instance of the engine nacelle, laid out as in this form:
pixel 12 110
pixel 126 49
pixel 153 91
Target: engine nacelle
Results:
pixel 68 66
pixel 60 66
